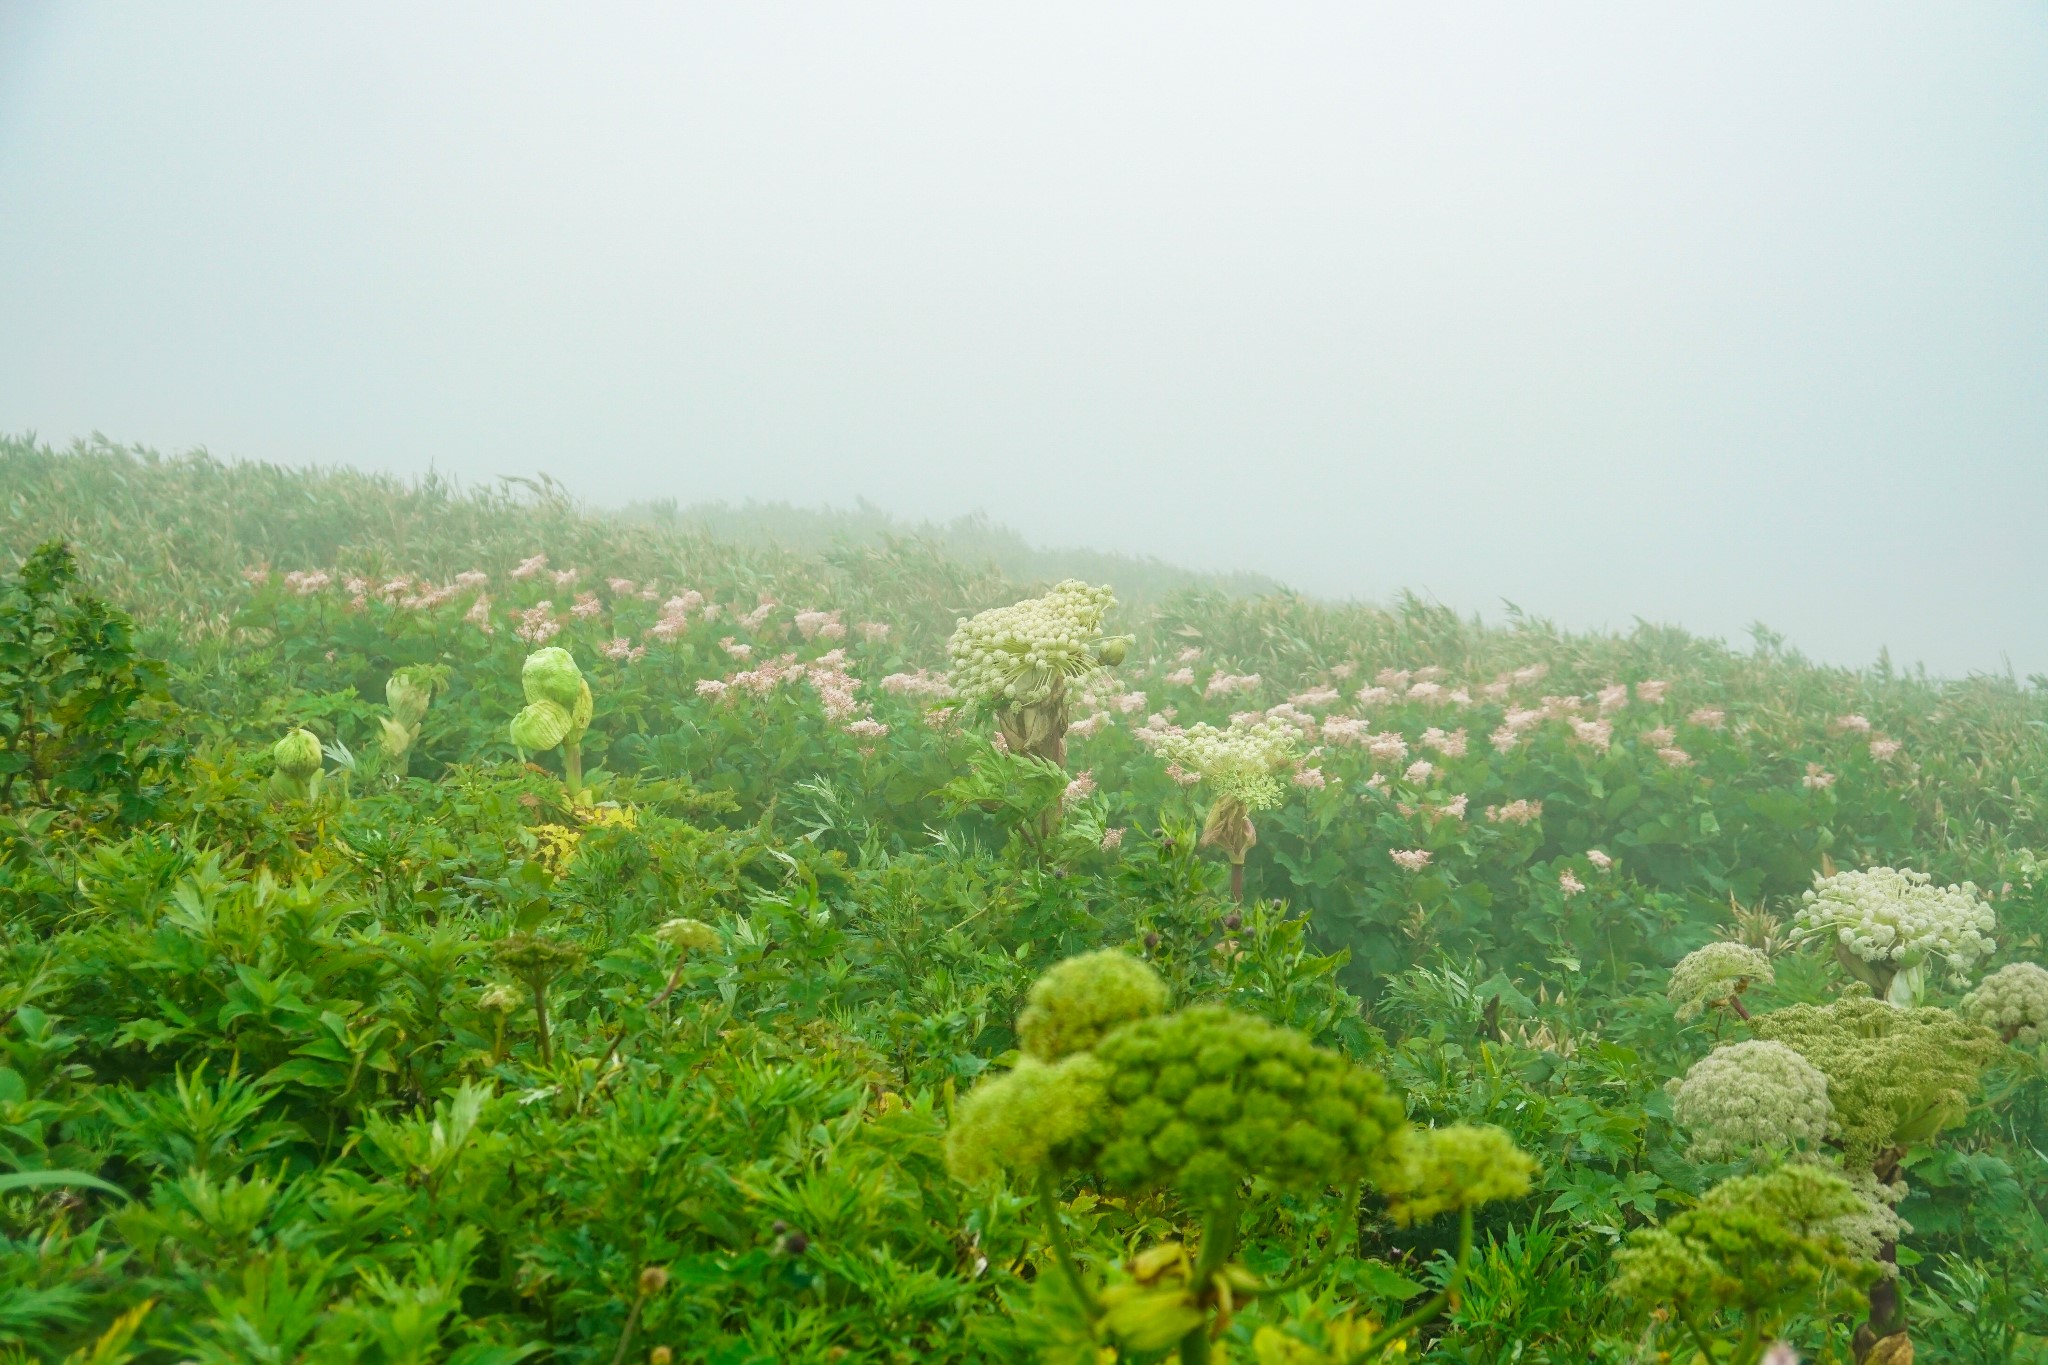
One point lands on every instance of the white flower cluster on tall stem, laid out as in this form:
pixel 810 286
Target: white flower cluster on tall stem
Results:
pixel 1888 924
pixel 1243 763
pixel 1027 653
pixel 1749 1097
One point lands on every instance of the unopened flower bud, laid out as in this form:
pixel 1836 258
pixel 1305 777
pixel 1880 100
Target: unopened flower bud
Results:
pixel 660 1355
pixel 654 1279
pixel 1233 921
pixel 796 1244
pixel 297 755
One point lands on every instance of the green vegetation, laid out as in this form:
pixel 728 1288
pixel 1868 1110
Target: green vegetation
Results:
pixel 457 926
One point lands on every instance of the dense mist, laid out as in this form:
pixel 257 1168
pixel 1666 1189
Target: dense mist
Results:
pixel 1705 317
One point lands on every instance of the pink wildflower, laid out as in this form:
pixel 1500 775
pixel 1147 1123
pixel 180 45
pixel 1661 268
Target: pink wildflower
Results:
pixel 566 578
pixel 1374 696
pixel 1818 778
pixel 1652 692
pixel 1180 677
pixel 1314 696
pixel 527 568
pixel 1387 747
pixel 1455 807
pixel 736 649
pixel 1675 757
pixel 874 632
pixel 1660 737
pixel 1598 733
pixel 867 727
pixel 1181 775
pixel 621 587
pixel 479 615
pixel 1613 698
pixel 1311 778
pixel 1884 749
pixel 1856 725
pixel 1078 790
pixel 1520 812
pixel 471 578
pixel 256 575
pixel 1393 679
pixel 1412 859
pixel 1188 655
pixel 1600 860
pixel 919 684
pixel 1430 693
pixel 586 606
pixel 714 688
pixel 1419 771
pixel 1127 703
pixel 1087 726
pixel 1451 745
pixel 1503 739
pixel 1344 730
pixel 1112 839
pixel 1569 884
pixel 1709 718
pixel 1222 683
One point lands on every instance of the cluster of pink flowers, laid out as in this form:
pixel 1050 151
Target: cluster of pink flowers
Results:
pixel 1569 883
pixel 1522 812
pixel 471 579
pixel 1387 747
pixel 874 632
pixel 587 607
pixel 1157 728
pixel 1851 724
pixel 1603 861
pixel 1287 713
pixel 1708 718
pixel 1885 749
pixel 1344 729
pixel 1509 732
pixel 623 650
pixel 1450 745
pixel 1112 839
pixel 739 651
pixel 1598 733
pixel 835 686
pixel 479 614
pixel 1089 725
pixel 1311 778
pixel 621 587
pixel 537 624
pixel 1374 696
pixel 1180 677
pixel 1453 809
pixel 307 582
pixel 921 685
pixel 1420 771
pixel 1651 692
pixel 1674 756
pixel 1817 778
pixel 1188 655
pixel 1314 696
pixel 1660 737
pixel 1181 776
pixel 527 568
pixel 1078 790
pixel 1613 697
pixel 1412 859
pixel 867 727
pixel 820 625
pixel 566 578
pixel 256 575
pixel 675 616
pixel 1224 684
pixel 753 619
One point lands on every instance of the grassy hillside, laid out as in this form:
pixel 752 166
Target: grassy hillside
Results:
pixel 649 1032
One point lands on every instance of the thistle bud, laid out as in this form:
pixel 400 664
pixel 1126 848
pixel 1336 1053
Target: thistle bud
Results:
pixel 297 755
pixel 654 1279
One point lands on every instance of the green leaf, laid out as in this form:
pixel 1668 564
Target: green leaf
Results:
pixel 22 1180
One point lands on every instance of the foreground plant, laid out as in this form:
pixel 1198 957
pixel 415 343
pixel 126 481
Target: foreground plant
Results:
pixel 407 694
pixel 557 712
pixel 1019 664
pixel 1753 1252
pixel 297 759
pixel 1240 767
pixel 1889 925
pixel 1202 1101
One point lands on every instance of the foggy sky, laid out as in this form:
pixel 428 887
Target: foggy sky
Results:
pixel 1703 315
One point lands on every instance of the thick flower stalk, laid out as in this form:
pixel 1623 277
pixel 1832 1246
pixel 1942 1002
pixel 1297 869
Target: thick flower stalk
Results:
pixel 558 710
pixel 1241 767
pixel 1745 1098
pixel 1756 1249
pixel 1716 976
pixel 2012 1002
pixel 1889 925
pixel 297 758
pixel 1019 664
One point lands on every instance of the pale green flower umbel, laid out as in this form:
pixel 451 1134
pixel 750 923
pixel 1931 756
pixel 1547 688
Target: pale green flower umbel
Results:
pixel 1241 767
pixel 1017 663
pixel 1715 975
pixel 1079 1000
pixel 1749 1097
pixel 1889 924
pixel 2012 1002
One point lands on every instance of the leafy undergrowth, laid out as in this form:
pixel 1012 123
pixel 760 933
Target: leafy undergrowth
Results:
pixel 414 1063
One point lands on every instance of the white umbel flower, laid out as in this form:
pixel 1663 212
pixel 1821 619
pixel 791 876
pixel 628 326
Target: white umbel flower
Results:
pixel 1897 922
pixel 1752 1096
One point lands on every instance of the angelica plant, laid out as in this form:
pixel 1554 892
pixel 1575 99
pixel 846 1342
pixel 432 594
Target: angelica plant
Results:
pixel 1716 976
pixel 2012 1002
pixel 1240 767
pixel 1200 1101
pixel 1889 925
pixel 407 694
pixel 1749 1097
pixel 297 759
pixel 1756 1249
pixel 1019 664
pixel 557 712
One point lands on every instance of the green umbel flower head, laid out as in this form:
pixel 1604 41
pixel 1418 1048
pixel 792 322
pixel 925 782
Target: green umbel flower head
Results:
pixel 558 709
pixel 551 675
pixel 1073 1005
pixel 690 935
pixel 1446 1170
pixel 1714 975
pixel 1757 1244
pixel 1040 1117
pixel 297 755
pixel 2012 1002
pixel 1753 1096
pixel 1895 1076
pixel 1204 1097
pixel 407 694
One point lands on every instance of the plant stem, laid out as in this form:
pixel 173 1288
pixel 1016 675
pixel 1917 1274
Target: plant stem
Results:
pixel 540 1015
pixel 1337 1242
pixel 1442 1299
pixel 1219 1239
pixel 1056 1233
pixel 626 1337
pixel 572 766
pixel 1237 881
